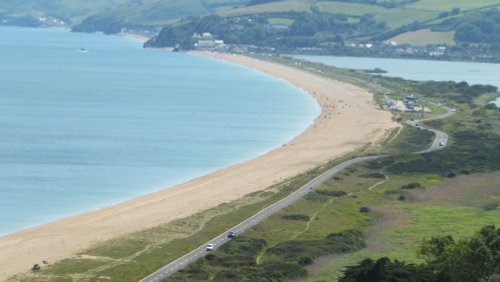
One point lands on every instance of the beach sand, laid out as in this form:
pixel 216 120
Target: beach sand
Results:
pixel 349 119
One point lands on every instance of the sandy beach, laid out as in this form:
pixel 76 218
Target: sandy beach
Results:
pixel 349 119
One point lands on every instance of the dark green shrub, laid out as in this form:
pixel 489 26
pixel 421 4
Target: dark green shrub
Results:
pixel 332 193
pixel 244 245
pixel 490 207
pixel 305 261
pixel 364 209
pixel 210 257
pixel 301 217
pixel 412 185
pixel 373 175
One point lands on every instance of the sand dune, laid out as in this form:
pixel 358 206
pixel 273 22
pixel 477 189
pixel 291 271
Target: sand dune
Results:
pixel 349 119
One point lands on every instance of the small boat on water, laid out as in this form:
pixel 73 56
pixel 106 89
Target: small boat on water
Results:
pixel 82 50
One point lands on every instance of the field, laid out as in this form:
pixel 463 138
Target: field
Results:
pixel 284 6
pixel 354 9
pixel 425 36
pixel 393 17
pixel 427 213
pixel 447 5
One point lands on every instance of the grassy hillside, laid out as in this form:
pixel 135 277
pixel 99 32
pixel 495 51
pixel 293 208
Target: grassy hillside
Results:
pixel 71 11
pixel 111 16
pixel 148 13
pixel 425 36
pixel 447 5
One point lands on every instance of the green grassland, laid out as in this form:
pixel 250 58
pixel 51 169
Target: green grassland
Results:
pixel 353 9
pixel 284 21
pixel 273 7
pixel 69 10
pixel 447 5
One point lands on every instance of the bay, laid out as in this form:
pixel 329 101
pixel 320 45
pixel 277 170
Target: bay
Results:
pixel 89 120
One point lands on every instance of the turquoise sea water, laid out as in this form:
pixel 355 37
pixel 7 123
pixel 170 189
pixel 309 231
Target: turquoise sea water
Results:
pixel 473 73
pixel 82 130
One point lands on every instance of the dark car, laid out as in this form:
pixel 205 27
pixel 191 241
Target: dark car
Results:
pixel 231 234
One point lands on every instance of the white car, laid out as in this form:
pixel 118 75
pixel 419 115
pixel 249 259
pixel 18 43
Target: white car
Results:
pixel 441 144
pixel 210 247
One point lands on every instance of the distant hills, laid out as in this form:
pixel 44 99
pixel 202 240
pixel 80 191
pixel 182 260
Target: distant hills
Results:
pixel 282 25
pixel 99 15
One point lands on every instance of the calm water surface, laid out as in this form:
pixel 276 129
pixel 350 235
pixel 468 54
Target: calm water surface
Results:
pixel 473 73
pixel 81 130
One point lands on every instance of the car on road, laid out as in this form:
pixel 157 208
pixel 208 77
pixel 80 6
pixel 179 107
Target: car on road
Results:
pixel 210 247
pixel 231 234
pixel 441 144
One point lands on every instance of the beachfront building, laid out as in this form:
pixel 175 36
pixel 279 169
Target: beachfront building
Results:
pixel 207 42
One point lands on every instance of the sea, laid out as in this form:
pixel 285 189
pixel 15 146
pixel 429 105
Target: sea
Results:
pixel 420 70
pixel 89 120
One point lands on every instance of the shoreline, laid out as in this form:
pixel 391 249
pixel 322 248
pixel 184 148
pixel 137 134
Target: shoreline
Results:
pixel 349 118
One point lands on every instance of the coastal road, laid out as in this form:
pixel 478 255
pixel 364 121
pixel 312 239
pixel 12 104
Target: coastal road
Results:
pixel 201 251
pixel 441 138
pixel 440 142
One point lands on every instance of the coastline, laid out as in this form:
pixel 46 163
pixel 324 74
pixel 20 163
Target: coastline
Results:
pixel 349 119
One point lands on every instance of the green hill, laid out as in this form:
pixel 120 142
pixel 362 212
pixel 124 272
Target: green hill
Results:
pixel 29 12
pixel 125 13
pixel 330 26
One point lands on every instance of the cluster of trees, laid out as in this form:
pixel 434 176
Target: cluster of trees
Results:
pixel 258 2
pixel 473 259
pixel 306 30
pixel 96 23
pixel 481 26
pixel 460 92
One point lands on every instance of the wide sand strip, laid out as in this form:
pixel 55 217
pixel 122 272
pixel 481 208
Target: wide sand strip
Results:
pixel 349 119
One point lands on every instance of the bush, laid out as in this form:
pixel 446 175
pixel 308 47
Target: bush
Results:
pixel 335 243
pixel 210 257
pixel 244 245
pixel 374 175
pixel 412 185
pixel 332 193
pixel 364 209
pixel 305 261
pixel 301 217
pixel 284 270
pixel 490 207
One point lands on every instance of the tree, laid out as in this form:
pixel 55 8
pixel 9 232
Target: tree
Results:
pixel 468 32
pixel 474 259
pixel 385 270
pixel 455 11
